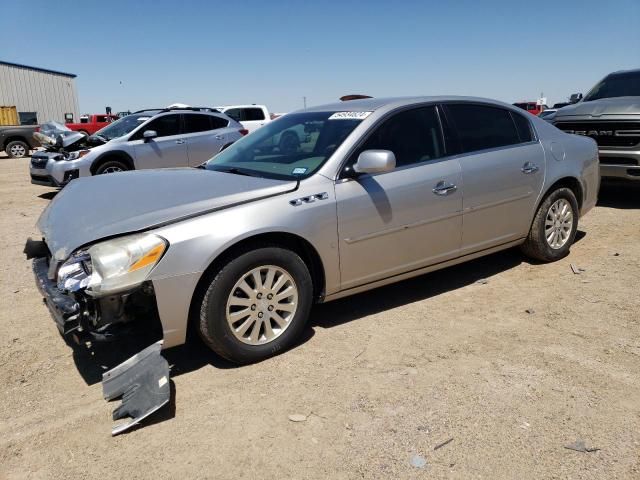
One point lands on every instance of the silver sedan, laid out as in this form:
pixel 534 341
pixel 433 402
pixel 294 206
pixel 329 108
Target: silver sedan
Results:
pixel 379 191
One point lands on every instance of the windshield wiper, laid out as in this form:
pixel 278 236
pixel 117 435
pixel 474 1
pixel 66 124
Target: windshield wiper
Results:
pixel 235 171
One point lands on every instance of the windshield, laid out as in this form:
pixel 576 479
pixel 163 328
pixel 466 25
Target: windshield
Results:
pixel 617 85
pixel 293 146
pixel 124 125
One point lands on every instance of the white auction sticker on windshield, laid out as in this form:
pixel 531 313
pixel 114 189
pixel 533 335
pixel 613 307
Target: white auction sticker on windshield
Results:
pixel 299 171
pixel 350 115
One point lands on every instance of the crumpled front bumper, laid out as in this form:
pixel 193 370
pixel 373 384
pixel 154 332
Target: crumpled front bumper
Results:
pixel 64 308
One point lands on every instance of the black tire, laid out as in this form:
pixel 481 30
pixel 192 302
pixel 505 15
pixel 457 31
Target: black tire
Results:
pixel 213 327
pixel 536 245
pixel 17 149
pixel 289 143
pixel 110 166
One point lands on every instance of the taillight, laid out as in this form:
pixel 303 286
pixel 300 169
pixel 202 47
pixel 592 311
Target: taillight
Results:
pixel 243 131
pixel 37 129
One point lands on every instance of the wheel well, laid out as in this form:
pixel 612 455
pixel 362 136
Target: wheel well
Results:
pixel 290 241
pixel 119 156
pixel 571 183
pixel 15 139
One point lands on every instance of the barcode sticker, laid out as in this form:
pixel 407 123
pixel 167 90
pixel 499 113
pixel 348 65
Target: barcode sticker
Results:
pixel 350 115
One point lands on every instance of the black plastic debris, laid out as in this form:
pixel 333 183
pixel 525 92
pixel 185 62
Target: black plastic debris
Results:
pixel 35 249
pixel 143 383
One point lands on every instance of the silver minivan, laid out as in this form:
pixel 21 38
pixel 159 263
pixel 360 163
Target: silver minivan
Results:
pixel 172 137
pixel 381 190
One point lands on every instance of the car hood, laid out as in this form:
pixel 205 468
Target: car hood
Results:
pixel 604 106
pixel 93 208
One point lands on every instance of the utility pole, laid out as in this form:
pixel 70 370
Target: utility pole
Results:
pixel 304 102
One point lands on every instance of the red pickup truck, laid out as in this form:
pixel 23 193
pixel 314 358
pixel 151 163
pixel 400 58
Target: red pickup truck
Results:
pixel 531 107
pixel 90 124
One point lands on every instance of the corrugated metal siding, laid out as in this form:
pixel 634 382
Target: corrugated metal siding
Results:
pixel 48 94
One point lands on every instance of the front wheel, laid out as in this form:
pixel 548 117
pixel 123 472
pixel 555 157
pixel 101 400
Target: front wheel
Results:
pixel 257 305
pixel 111 166
pixel 554 227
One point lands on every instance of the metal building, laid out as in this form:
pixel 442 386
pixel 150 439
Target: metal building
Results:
pixel 38 94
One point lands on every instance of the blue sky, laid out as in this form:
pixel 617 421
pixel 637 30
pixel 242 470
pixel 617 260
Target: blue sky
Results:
pixel 135 54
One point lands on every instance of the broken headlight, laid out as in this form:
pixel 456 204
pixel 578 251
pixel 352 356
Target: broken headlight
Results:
pixel 112 266
pixel 122 263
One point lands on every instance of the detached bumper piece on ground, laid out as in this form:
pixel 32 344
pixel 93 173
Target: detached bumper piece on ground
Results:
pixel 143 383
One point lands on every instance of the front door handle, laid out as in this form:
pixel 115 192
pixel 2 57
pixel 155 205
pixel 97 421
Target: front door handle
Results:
pixel 180 141
pixel 530 168
pixel 219 137
pixel 444 188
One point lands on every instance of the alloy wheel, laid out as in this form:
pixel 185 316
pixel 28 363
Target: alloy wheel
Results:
pixel 558 224
pixel 262 305
pixel 18 151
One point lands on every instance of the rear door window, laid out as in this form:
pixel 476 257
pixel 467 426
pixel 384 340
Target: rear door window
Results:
pixel 235 113
pixel 253 114
pixel 523 127
pixel 194 122
pixel 217 122
pixel 480 127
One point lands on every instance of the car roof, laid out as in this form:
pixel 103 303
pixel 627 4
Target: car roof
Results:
pixel 633 70
pixel 253 105
pixel 373 104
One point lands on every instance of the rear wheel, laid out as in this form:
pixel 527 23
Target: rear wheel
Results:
pixel 554 227
pixel 256 305
pixel 17 149
pixel 112 166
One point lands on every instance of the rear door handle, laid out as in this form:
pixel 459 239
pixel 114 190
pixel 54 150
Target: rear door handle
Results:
pixel 530 168
pixel 180 141
pixel 444 188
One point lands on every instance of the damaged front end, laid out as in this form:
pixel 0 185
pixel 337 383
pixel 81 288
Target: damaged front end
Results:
pixel 102 293
pixel 60 144
pixel 87 307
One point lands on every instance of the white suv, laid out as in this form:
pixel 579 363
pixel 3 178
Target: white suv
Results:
pixel 252 117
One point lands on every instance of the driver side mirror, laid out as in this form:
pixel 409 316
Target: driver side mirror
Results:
pixel 375 161
pixel 149 134
pixel 575 98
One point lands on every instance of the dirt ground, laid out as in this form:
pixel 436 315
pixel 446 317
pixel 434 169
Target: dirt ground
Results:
pixel 512 370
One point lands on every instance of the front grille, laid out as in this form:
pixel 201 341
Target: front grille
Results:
pixel 607 134
pixel 618 161
pixel 38 162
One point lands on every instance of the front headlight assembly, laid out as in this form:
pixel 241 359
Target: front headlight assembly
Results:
pixel 115 265
pixel 77 154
